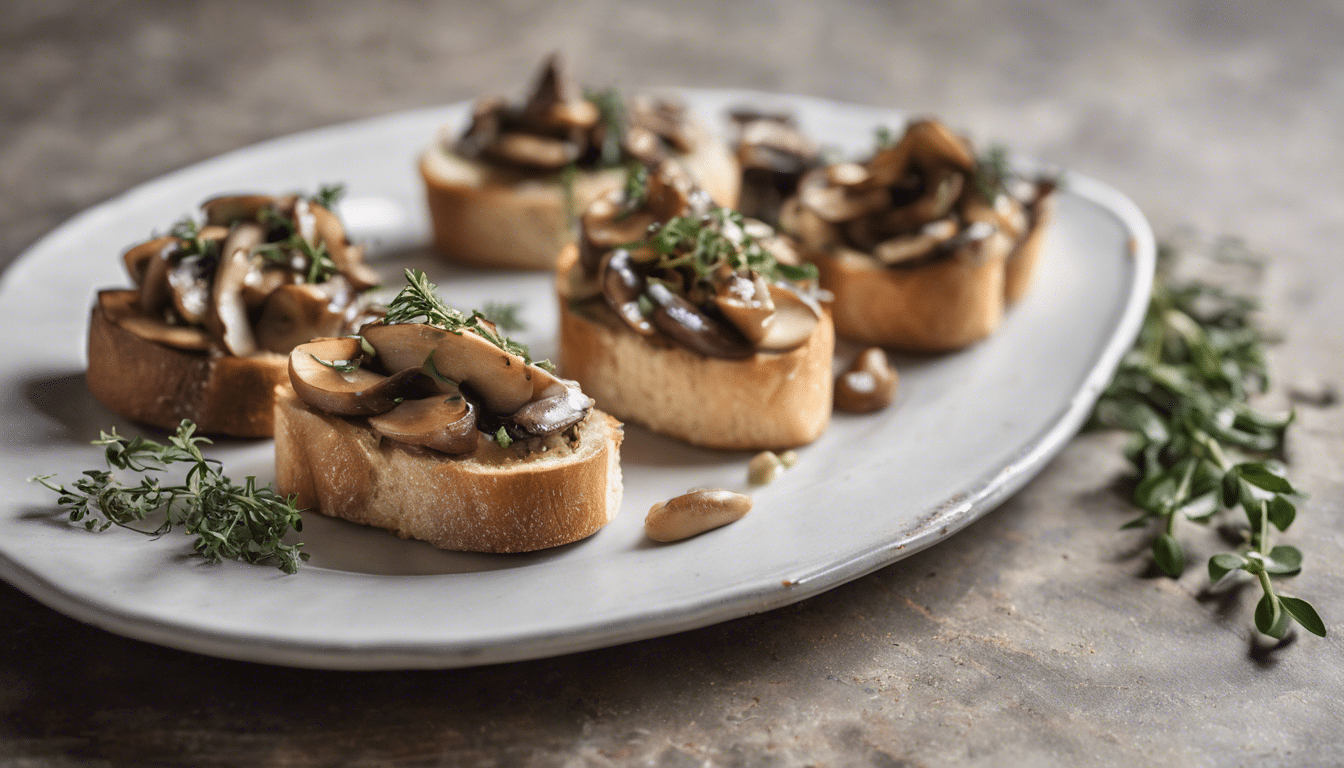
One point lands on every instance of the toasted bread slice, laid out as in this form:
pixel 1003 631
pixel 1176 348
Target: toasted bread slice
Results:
pixel 936 306
pixel 160 385
pixel 490 216
pixel 1021 264
pixel 770 400
pixel 491 500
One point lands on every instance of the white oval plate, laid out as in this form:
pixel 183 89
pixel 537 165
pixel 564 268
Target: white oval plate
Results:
pixel 967 430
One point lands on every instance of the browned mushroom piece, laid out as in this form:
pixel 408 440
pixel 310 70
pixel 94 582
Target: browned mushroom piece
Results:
pixel 534 151
pixel 642 144
pixel 554 414
pixel 888 166
pixel 553 94
pixel 227 314
pixel 325 373
pixel 747 304
pixel 502 380
pixel 793 322
pixel 349 259
pixel 231 209
pixel 933 145
pixel 685 324
pixel 122 308
pixel 264 278
pixel 445 422
pixel 813 231
pixel 137 259
pixel 868 385
pixel 663 117
pixel 912 247
pixel 155 292
pixel 189 285
pixel 622 287
pixel 605 227
pixel 294 314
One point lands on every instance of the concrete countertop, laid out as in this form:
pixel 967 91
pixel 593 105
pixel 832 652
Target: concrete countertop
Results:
pixel 1034 637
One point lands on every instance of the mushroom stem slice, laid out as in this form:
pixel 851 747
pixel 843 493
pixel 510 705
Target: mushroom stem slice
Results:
pixel 621 287
pixel 553 414
pixel 155 293
pixel 121 308
pixel 325 373
pixel 443 422
pixel 503 381
pixel 227 317
pixel 349 259
pixel 137 259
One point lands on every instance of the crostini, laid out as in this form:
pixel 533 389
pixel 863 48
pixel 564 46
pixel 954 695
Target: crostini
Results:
pixel 432 425
pixel 690 320
pixel 503 193
pixel 216 308
pixel 923 245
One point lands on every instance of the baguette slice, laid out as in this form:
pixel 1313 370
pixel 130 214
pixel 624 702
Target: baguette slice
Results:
pixel 161 386
pixel 771 400
pixel 1022 261
pixel 485 215
pixel 939 306
pixel 488 501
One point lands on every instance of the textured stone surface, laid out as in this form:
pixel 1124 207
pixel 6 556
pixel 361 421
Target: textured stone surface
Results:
pixel 1035 637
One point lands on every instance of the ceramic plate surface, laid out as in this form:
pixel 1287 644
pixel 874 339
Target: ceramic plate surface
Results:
pixel 967 430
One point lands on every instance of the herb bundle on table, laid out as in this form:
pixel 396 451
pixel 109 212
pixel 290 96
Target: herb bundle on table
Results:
pixel 1201 451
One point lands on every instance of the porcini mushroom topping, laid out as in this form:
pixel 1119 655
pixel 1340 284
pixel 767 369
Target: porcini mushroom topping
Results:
pixel 918 199
pixel 700 277
pixel 264 274
pixel 559 125
pixel 774 155
pixel 452 377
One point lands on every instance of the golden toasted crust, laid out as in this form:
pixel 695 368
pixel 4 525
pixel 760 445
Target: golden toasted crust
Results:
pixel 489 501
pixel 487 216
pixel 771 400
pixel 161 386
pixel 934 307
pixel 1022 261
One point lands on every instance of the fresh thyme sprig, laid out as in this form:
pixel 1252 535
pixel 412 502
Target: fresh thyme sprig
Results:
pixel 188 231
pixel 504 315
pixel 237 522
pixel 1199 447
pixel 611 109
pixel 328 195
pixel 635 191
pixel 704 243
pixel 993 172
pixel 419 302
pixel 321 267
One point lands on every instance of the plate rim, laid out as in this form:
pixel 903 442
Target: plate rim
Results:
pixel 981 496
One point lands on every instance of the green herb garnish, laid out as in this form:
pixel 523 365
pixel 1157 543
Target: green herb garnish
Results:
pixel 611 109
pixel 188 231
pixel 502 437
pixel 1199 447
pixel 707 242
pixel 237 522
pixel 340 366
pixel 636 189
pixel 993 172
pixel 504 316
pixel 883 137
pixel 328 195
pixel 567 178
pixel 419 303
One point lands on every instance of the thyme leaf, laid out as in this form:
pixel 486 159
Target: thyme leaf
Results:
pixel 229 521
pixel 718 238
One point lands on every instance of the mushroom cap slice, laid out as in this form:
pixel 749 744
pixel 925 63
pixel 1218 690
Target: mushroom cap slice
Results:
pixel 682 322
pixel 605 227
pixel 189 284
pixel 230 209
pixel 533 151
pixel 227 316
pixel 443 422
pixel 747 304
pixel 121 307
pixel 294 314
pixel 933 144
pixel 155 292
pixel 359 392
pixel 621 287
pixel 503 381
pixel 794 321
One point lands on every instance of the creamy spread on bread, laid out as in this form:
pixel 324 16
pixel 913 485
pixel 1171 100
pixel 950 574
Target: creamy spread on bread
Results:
pixel 452 384
pixel 560 126
pixel 920 199
pixel 261 275
pixel 663 259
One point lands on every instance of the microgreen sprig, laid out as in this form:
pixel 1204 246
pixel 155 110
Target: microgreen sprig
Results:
pixel 419 302
pixel 237 522
pixel 706 242
pixel 1199 447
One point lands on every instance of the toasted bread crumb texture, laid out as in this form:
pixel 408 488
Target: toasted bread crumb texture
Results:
pixel 493 217
pixel 340 468
pixel 161 386
pixel 770 400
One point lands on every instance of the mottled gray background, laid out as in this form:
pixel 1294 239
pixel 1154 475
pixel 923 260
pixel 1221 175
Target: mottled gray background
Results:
pixel 1035 637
